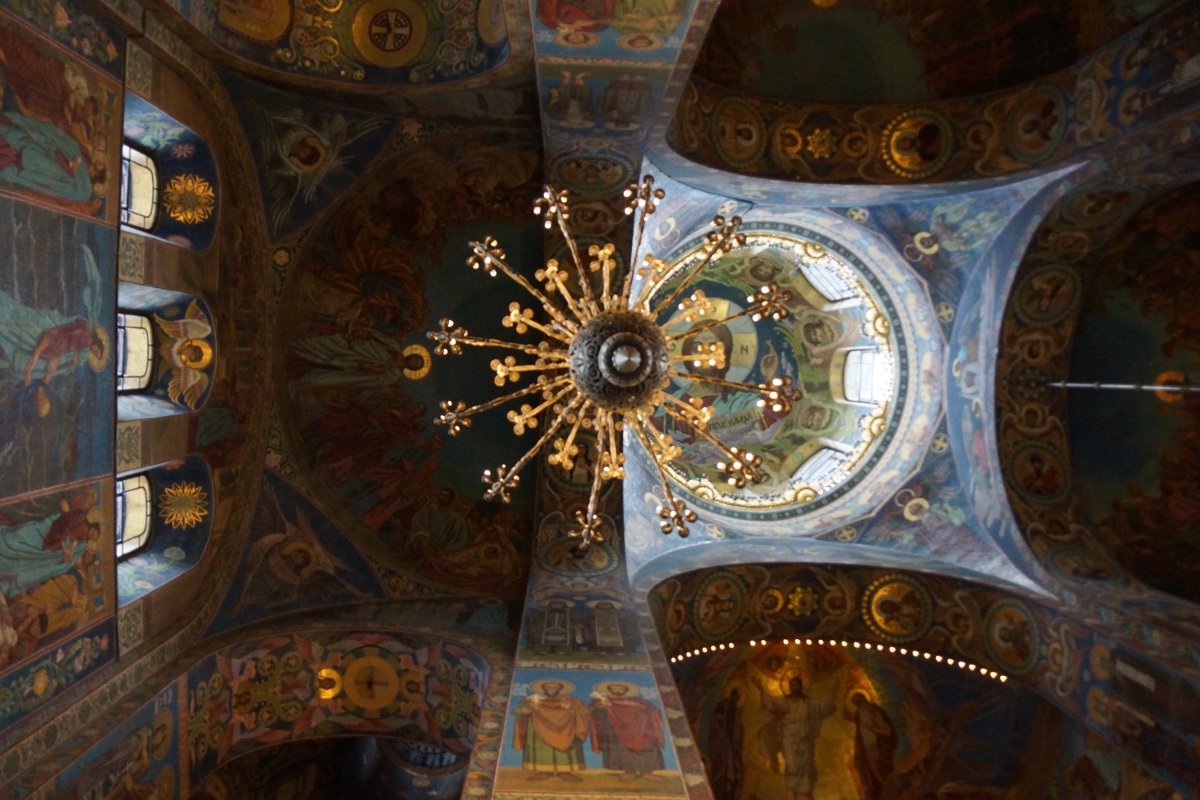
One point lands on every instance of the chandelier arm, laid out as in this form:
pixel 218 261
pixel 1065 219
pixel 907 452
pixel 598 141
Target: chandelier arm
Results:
pixel 561 459
pixel 515 319
pixel 509 369
pixel 757 308
pixel 716 245
pixel 785 393
pixel 748 469
pixel 571 302
pixel 591 523
pixel 675 516
pixel 479 341
pixel 531 416
pixel 690 414
pixel 647 207
pixel 499 401
pixel 614 449
pixel 504 482
pixel 493 259
pixel 585 283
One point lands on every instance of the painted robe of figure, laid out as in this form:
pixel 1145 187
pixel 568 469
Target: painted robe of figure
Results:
pixel 726 737
pixel 792 735
pixel 34 552
pixel 627 731
pixel 874 746
pixel 550 728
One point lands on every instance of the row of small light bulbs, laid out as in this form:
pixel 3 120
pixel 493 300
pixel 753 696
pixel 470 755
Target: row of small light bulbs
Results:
pixel 904 651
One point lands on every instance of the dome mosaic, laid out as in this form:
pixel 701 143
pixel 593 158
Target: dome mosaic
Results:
pixel 836 346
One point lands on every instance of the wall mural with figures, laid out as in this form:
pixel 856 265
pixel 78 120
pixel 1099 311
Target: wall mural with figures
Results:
pixel 358 382
pixel 1072 308
pixel 858 615
pixel 1123 87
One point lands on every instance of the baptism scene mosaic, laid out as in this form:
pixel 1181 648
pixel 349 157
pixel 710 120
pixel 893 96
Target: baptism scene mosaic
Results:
pixel 247 543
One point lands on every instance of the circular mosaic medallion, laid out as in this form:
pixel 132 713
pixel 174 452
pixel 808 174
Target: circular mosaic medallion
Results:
pixel 390 33
pixel 897 608
pixel 1038 474
pixel 718 605
pixel 738 132
pixel 1012 638
pixel 1036 124
pixel 1075 563
pixel 917 143
pixel 592 172
pixel 1093 206
pixel 1048 294
pixel 559 558
pixel 370 682
pixel 490 21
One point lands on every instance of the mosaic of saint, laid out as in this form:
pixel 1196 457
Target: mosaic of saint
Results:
pixel 833 348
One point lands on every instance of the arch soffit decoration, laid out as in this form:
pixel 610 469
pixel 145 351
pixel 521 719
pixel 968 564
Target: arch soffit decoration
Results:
pixel 1124 86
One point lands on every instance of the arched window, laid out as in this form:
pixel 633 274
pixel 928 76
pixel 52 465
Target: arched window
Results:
pixel 828 282
pixel 135 352
pixel 139 188
pixel 867 377
pixel 819 466
pixel 133 514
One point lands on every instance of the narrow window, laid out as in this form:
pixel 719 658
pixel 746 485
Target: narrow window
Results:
pixel 139 188
pixel 135 352
pixel 133 515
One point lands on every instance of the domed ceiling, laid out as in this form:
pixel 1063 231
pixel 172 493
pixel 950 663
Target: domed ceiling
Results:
pixel 833 352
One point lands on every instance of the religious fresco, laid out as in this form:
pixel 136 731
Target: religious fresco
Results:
pixel 1110 687
pixel 56 349
pixel 295 558
pixel 1072 531
pixel 1124 87
pixel 797 720
pixel 604 69
pixel 306 154
pixel 302 685
pixel 141 757
pixel 57 104
pixel 187 174
pixel 406 42
pixel 56 574
pixel 1137 480
pixel 586 732
pixel 358 385
pixel 181 525
pixel 185 351
pixel 832 315
pixel 1091 768
pixel 890 51
pixel 67 23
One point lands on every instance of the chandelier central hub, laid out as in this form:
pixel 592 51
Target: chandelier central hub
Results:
pixel 619 359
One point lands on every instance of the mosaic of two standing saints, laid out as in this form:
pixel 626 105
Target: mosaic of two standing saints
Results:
pixel 364 39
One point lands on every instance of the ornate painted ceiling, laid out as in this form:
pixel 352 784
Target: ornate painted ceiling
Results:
pixel 973 583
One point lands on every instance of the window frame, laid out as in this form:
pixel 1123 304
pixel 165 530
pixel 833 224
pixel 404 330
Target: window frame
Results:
pixel 144 380
pixel 124 491
pixel 146 222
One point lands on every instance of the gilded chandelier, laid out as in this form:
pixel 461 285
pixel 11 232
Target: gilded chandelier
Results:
pixel 604 361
